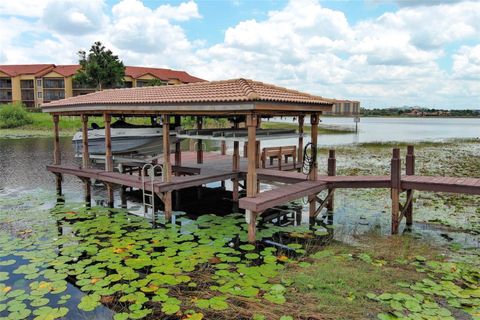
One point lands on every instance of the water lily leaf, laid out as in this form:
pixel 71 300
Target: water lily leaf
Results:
pixel 252 256
pixel 89 302
pixel 247 247
pixel 38 302
pixel 170 308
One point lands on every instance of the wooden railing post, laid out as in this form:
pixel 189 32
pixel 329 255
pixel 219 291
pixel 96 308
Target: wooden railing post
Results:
pixel 199 141
pixel 331 171
pixel 410 171
pixel 108 155
pixel 301 121
pixel 251 123
pixel 395 174
pixel 57 156
pixel 314 170
pixel 167 167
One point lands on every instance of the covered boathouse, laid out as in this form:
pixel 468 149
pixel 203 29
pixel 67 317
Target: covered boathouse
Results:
pixel 244 102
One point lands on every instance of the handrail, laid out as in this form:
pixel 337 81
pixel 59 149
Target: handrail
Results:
pixel 150 170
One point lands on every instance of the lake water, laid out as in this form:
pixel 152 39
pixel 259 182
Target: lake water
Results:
pixel 397 129
pixel 23 162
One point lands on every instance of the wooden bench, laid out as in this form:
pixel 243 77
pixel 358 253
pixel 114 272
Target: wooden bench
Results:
pixel 278 153
pixel 282 195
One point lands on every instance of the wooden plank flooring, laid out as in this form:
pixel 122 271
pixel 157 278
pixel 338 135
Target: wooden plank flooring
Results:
pixel 216 167
pixel 442 184
pixel 281 195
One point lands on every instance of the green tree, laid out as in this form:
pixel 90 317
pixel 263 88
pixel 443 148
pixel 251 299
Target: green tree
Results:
pixel 100 69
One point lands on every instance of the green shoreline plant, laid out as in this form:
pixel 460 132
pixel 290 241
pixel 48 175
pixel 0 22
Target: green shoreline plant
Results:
pixel 14 116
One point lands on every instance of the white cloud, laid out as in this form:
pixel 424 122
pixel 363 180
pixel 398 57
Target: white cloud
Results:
pixel 385 60
pixel 75 17
pixel 23 8
pixel 466 63
pixel 392 59
pixel 149 36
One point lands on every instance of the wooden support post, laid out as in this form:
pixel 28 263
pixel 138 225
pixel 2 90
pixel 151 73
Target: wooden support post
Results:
pixel 178 148
pixel 57 157
pixel 107 119
pixel 395 189
pixel 85 153
pixel 410 171
pixel 314 171
pixel 301 120
pixel 223 152
pixel 223 147
pixel 86 159
pixel 123 196
pixel 87 186
pixel 199 141
pixel 167 167
pixel 235 167
pixel 331 171
pixel 251 123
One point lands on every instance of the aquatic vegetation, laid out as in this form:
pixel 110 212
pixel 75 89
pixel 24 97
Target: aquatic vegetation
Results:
pixel 450 287
pixel 118 260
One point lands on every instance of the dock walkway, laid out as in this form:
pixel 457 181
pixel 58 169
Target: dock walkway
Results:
pixel 293 185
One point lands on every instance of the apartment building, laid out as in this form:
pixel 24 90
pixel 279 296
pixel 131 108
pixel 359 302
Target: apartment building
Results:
pixel 345 107
pixel 34 84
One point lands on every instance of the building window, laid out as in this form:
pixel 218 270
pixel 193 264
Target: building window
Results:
pixel 346 107
pixel 39 82
pixel 5 95
pixel 26 84
pixel 143 83
pixel 50 95
pixel 53 83
pixel 6 83
pixel 39 95
pixel 337 107
pixel 127 84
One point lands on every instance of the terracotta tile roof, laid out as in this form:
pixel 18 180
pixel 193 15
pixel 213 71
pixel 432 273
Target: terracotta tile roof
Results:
pixel 39 70
pixel 18 69
pixel 236 90
pixel 163 74
pixel 67 70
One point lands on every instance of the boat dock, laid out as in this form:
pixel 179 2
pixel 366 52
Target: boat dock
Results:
pixel 243 103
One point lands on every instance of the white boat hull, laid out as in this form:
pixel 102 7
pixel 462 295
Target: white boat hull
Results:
pixel 124 140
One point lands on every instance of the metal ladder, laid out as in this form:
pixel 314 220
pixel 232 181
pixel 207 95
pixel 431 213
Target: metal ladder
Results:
pixel 149 170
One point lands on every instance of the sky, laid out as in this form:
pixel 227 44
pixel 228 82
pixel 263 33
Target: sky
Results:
pixel 380 52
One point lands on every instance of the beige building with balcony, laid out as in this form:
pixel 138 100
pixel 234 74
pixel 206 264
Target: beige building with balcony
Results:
pixel 37 83
pixel 344 107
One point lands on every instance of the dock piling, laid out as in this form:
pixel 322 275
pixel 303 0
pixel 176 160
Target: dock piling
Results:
pixel 395 175
pixel 57 157
pixel 251 123
pixel 87 184
pixel 301 121
pixel 107 119
pixel 199 141
pixel 331 171
pixel 167 167
pixel 235 168
pixel 312 176
pixel 410 171
pixel 178 147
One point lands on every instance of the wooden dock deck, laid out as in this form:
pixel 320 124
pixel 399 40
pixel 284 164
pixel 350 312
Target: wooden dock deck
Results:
pixel 218 168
